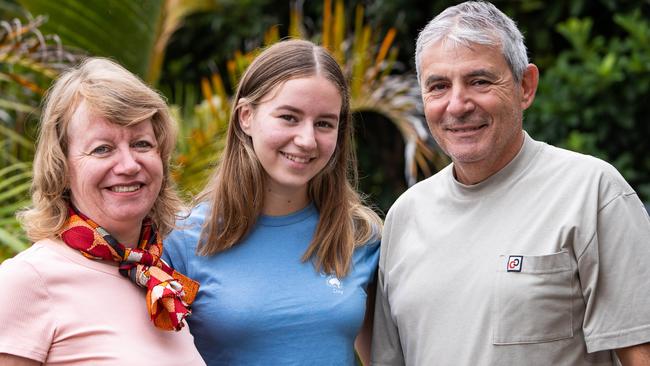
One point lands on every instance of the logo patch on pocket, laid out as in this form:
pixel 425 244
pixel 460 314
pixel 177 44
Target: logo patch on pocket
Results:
pixel 514 263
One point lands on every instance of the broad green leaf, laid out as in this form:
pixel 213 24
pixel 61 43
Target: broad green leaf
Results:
pixel 134 33
pixel 125 30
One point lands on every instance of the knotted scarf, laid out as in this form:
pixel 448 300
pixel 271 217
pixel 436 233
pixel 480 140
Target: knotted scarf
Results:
pixel 169 293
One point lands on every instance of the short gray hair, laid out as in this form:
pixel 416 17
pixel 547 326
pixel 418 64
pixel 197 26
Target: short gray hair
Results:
pixel 477 22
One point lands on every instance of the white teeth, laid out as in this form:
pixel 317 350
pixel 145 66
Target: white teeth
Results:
pixel 122 189
pixel 465 129
pixel 296 158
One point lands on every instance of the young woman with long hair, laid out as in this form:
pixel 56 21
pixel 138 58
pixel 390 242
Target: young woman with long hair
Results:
pixel 280 239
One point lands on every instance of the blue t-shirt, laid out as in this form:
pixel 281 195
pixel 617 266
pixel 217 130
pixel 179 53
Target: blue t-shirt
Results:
pixel 259 304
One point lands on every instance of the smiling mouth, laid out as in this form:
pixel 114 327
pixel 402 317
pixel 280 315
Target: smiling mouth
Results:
pixel 125 189
pixel 466 129
pixel 297 159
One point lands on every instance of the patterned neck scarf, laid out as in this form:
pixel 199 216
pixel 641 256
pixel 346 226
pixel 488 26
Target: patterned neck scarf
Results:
pixel 169 293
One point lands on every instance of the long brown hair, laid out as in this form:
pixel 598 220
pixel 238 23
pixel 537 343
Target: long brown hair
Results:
pixel 235 191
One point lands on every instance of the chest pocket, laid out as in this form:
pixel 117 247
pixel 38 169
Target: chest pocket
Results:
pixel 533 299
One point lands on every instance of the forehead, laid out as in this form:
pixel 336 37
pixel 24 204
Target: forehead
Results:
pixel 297 85
pixel 315 94
pixel 447 59
pixel 87 125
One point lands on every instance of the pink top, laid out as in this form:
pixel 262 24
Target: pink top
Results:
pixel 60 308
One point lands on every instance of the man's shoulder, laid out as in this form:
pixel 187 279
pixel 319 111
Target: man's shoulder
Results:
pixel 570 162
pixel 569 157
pixel 574 166
pixel 426 188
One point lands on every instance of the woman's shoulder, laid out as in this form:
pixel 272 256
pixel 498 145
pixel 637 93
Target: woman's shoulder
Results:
pixel 190 222
pixel 194 217
pixel 26 275
pixel 184 238
pixel 42 254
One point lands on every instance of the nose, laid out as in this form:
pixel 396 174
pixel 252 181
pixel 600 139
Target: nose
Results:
pixel 460 103
pixel 127 163
pixel 305 137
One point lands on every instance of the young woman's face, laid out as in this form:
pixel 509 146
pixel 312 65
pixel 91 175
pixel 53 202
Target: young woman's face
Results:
pixel 294 131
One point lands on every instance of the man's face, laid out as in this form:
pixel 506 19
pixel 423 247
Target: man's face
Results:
pixel 474 107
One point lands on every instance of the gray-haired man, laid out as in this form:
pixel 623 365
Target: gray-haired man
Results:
pixel 518 253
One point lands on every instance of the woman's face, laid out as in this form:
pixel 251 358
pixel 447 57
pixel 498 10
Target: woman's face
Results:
pixel 294 131
pixel 115 172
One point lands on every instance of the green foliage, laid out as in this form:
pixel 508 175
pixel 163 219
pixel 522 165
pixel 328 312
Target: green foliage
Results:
pixel 206 40
pixel 201 135
pixel 593 98
pixel 15 180
pixel 29 61
pixel 134 33
pixel 120 29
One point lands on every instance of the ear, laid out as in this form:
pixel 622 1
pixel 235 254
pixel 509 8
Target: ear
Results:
pixel 529 85
pixel 245 113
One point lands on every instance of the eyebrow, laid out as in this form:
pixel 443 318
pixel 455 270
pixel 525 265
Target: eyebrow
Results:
pixel 482 72
pixel 298 111
pixel 433 79
pixel 474 73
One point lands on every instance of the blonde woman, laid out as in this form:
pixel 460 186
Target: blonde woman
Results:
pixel 101 202
pixel 281 242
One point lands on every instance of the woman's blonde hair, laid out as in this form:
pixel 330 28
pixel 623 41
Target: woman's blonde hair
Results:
pixel 235 191
pixel 122 98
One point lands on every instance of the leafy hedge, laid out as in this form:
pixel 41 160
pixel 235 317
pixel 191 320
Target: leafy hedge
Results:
pixel 595 97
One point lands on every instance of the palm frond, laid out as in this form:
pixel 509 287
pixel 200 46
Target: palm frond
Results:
pixel 29 61
pixel 368 60
pixel 15 180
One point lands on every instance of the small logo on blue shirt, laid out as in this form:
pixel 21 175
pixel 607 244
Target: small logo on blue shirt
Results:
pixel 334 283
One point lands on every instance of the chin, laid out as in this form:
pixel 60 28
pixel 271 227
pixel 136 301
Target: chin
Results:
pixel 130 216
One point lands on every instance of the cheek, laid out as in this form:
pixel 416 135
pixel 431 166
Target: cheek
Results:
pixel 328 145
pixel 269 139
pixel 155 167
pixel 76 178
pixel 433 113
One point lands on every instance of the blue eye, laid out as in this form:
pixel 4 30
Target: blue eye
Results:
pixel 142 144
pixel 101 150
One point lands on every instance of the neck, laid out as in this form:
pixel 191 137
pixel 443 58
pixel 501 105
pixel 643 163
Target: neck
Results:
pixel 280 203
pixel 126 236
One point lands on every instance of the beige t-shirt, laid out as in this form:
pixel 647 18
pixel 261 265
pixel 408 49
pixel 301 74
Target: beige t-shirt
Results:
pixel 60 308
pixel 547 262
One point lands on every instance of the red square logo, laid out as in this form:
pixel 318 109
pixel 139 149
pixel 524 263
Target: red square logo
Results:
pixel 514 263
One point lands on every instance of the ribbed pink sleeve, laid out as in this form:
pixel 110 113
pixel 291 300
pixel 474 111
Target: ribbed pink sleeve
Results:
pixel 26 324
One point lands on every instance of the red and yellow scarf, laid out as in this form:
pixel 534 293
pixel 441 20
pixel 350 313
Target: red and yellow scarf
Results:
pixel 169 293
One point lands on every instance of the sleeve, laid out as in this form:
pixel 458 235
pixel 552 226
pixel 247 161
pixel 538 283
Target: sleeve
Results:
pixel 25 312
pixel 175 250
pixel 371 259
pixel 386 347
pixel 614 272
